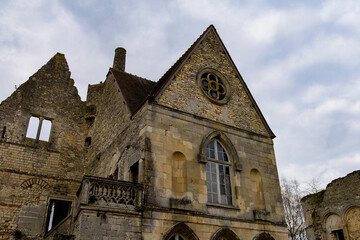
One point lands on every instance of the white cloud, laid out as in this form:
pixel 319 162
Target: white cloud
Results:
pixel 344 13
pixel 34 36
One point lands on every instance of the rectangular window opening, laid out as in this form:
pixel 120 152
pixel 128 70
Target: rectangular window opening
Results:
pixel 58 211
pixel 39 128
pixel 33 127
pixel 45 130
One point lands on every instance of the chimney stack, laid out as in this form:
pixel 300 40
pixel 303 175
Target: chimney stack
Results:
pixel 119 59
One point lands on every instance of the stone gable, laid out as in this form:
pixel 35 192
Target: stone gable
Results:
pixel 184 94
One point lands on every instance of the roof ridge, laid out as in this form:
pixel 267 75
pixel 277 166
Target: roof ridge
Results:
pixel 113 69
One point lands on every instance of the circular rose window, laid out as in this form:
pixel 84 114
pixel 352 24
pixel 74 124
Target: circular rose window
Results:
pixel 214 85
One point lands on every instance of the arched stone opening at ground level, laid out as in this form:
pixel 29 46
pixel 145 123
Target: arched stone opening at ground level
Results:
pixel 225 234
pixel 263 236
pixel 180 229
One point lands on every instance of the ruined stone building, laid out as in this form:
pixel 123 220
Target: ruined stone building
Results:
pixel 334 213
pixel 185 158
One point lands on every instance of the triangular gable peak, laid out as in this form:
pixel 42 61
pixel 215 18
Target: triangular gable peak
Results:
pixel 181 87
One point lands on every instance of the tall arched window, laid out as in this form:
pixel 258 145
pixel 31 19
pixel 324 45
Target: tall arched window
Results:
pixel 218 174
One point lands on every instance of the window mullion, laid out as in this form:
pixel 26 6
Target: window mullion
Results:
pixel 216 150
pixel 218 183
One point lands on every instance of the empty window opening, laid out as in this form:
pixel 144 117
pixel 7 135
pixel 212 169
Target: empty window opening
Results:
pixel 45 130
pixel 339 234
pixel 58 211
pixel 87 142
pixel 33 127
pixel 3 133
pixel 39 128
pixel 134 172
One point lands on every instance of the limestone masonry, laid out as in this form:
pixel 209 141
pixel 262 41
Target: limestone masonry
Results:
pixel 334 213
pixel 189 157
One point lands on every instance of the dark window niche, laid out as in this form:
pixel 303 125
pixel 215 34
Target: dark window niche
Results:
pixel 134 172
pixel 90 121
pixel 87 142
pixel 3 133
pixel 339 234
pixel 58 210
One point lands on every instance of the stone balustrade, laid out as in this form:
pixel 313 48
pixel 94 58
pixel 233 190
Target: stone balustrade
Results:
pixel 104 192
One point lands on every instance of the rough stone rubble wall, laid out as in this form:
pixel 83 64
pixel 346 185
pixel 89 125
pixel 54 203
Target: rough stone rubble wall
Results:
pixel 115 139
pixel 184 94
pixel 335 208
pixel 33 171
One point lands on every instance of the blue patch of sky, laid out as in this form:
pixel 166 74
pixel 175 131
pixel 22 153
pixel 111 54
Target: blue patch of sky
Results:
pixel 322 73
pixel 286 4
pixel 97 17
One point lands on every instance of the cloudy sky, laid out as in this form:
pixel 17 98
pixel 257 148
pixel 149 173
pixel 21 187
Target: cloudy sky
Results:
pixel 300 59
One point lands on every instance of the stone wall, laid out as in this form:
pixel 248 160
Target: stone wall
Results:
pixel 337 208
pixel 156 225
pixel 175 132
pixel 34 171
pixel 175 135
pixel 115 140
pixel 107 225
pixel 183 92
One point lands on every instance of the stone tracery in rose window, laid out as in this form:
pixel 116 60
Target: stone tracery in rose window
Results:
pixel 214 85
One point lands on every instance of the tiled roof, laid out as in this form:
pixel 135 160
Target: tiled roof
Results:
pixel 134 89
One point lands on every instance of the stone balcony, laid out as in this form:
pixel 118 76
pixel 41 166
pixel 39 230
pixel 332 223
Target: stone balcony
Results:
pixel 108 194
pixel 100 197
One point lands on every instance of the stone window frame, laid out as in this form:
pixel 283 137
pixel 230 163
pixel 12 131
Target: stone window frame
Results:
pixel 39 127
pixel 183 230
pixel 325 218
pixel 220 136
pixel 214 167
pixel 48 210
pixel 232 155
pixel 224 81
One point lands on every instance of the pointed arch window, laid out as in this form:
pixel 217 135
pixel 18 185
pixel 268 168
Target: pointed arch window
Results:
pixel 177 237
pixel 218 174
pixel 180 231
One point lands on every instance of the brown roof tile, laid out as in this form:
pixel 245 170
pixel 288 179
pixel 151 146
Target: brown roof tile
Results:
pixel 134 89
